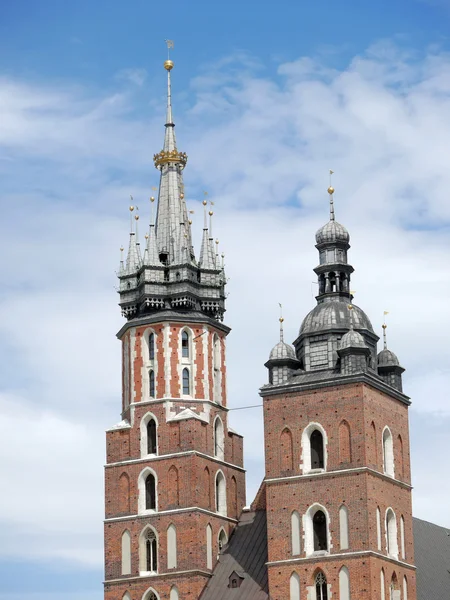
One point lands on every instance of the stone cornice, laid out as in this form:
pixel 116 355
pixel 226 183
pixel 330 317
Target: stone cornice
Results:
pixel 339 556
pixel 163 513
pixel 166 316
pixel 158 576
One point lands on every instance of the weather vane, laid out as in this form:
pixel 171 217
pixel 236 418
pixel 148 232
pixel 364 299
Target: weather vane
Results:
pixel 170 45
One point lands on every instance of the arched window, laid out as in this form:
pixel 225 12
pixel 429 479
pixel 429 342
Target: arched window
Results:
pixel 151 346
pixel 207 487
pixel 151 383
pixel 321 586
pixel 173 487
pixel 151 436
pixel 388 453
pixel 402 537
pixel 401 464
pixel 343 527
pixel 151 552
pixel 126 553
pixel 382 585
pixel 345 447
pixel 223 540
pixel 344 584
pixel 286 451
pixel 218 438
pixel 295 533
pixel 394 590
pixel 151 595
pixel 320 531
pixel 405 588
pixel 378 528
pixel 373 461
pixel 174 593
pixel 216 368
pixel 150 492
pixel 126 596
pixel 391 533
pixel 208 547
pixel 124 493
pixel 185 350
pixel 317 458
pixel 294 587
pixel 221 498
pixel 186 383
pixel 171 547
pixel 234 498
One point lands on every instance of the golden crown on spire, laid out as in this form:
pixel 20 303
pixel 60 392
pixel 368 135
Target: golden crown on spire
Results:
pixel 172 156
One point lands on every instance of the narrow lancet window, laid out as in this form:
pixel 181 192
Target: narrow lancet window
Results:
pixel 151 383
pixel 151 551
pixel 185 344
pixel 151 437
pixel 320 531
pixel 316 441
pixel 150 492
pixel 321 586
pixel 186 382
pixel 151 346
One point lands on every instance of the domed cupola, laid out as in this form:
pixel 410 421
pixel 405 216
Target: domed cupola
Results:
pixel 353 352
pixel 282 361
pixel 320 334
pixel 389 368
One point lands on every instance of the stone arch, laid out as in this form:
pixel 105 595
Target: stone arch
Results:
pixel 317 530
pixel 171 547
pixel 173 487
pixel 343 528
pixel 314 453
pixel 150 594
pixel 149 443
pixel 148 550
pixel 388 453
pixel 294 587
pixel 221 494
pixel 286 451
pixel 145 491
pixel 126 553
pixel 295 533
pixel 344 584
pixel 219 438
pixel 124 493
pixel 345 443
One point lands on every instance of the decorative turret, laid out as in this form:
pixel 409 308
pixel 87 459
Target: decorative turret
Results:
pixel 389 368
pixel 168 276
pixel 282 360
pixel 353 352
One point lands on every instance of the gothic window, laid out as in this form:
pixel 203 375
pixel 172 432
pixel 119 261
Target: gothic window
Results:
pixel 216 368
pixel 151 346
pixel 382 585
pixel 345 449
pixel 126 596
pixel 218 438
pixel 124 493
pixel 208 547
pixel 222 539
pixel 321 586
pixel 186 382
pixel 151 551
pixel 174 593
pixel 394 590
pixel 173 487
pixel 294 587
pixel 286 451
pixel 151 437
pixel 151 596
pixel 343 527
pixel 401 466
pixel 234 498
pixel 171 547
pixel 316 442
pixel 344 584
pixel 295 533
pixel 388 453
pixel 185 344
pixel 320 531
pixel 378 528
pixel 126 553
pixel 221 498
pixel 207 487
pixel 402 537
pixel 405 588
pixel 151 383
pixel 391 534
pixel 150 492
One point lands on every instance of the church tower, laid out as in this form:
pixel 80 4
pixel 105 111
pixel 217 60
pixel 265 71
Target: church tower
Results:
pixel 338 485
pixel 174 478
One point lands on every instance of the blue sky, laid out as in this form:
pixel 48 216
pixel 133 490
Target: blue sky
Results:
pixel 267 98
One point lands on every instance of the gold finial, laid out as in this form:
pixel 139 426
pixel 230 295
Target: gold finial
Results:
pixel 131 208
pixel 190 221
pixel 217 242
pixel 152 198
pixel 210 213
pixel 146 236
pixel 204 203
pixel 182 195
pixel 136 217
pixel 330 190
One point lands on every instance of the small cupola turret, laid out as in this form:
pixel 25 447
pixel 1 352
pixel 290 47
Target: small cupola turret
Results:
pixel 353 352
pixel 282 361
pixel 389 368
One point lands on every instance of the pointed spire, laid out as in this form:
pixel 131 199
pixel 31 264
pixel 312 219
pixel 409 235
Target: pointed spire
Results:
pixel 151 257
pixel 121 265
pixel 206 255
pixel 169 139
pixel 132 264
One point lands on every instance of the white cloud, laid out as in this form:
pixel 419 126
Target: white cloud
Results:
pixel 262 148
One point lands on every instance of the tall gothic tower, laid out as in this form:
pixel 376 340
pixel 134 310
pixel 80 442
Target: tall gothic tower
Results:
pixel 174 477
pixel 338 486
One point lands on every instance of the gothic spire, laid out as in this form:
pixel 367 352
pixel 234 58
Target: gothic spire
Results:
pixel 172 225
pixel 133 261
pixel 206 252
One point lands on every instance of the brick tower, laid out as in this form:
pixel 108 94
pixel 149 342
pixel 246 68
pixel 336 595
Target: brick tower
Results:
pixel 174 477
pixel 338 487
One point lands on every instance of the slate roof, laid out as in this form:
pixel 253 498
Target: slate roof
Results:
pixel 245 554
pixel 334 315
pixel 432 556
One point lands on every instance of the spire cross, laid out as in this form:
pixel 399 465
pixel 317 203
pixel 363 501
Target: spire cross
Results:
pixel 384 326
pixel 331 192
pixel 281 319
pixel 169 44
